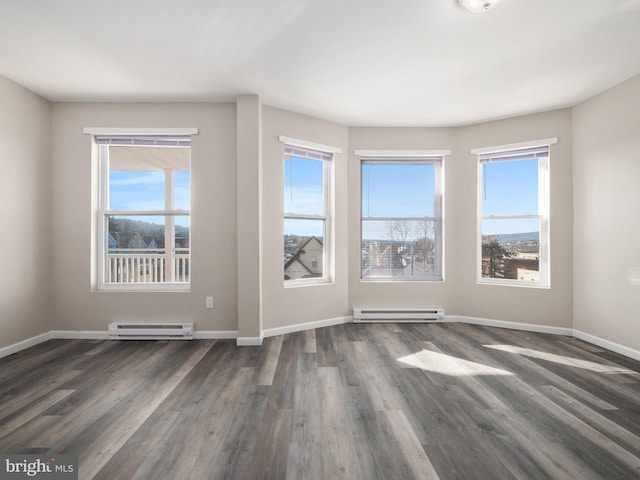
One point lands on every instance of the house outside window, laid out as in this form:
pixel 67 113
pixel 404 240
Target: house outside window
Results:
pixel 307 212
pixel 144 231
pixel 513 214
pixel 401 215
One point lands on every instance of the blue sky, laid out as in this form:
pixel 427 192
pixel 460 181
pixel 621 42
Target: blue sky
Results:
pixel 303 194
pixel 403 190
pixel 509 188
pixel 303 186
pixel 398 190
pixel 144 190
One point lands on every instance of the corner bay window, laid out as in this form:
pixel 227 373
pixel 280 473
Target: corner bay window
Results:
pixel 307 212
pixel 401 222
pixel 144 211
pixel 513 214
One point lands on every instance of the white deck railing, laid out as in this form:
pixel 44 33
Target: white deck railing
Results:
pixel 147 266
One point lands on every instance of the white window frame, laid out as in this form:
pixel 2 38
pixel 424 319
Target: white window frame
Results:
pixel 503 153
pixel 101 194
pixel 437 157
pixel 327 157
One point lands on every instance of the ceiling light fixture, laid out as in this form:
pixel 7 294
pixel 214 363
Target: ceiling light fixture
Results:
pixel 477 6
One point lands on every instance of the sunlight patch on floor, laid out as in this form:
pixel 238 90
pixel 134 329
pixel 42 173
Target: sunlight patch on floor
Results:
pixel 447 365
pixel 561 359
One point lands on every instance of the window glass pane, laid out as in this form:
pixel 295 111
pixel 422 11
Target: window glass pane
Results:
pixel 400 249
pixel 303 186
pixel 511 249
pixel 510 188
pixel 303 248
pixel 137 176
pixel 182 188
pixel 182 252
pixel 137 252
pixel 136 190
pixel 398 189
pixel 153 247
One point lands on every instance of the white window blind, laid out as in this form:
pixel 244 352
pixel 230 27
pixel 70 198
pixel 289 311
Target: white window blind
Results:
pixel 401 218
pixel 522 154
pixel 159 141
pixel 300 152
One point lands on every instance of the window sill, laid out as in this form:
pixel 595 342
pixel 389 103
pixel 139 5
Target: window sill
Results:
pixel 513 283
pixel 308 283
pixel 390 280
pixel 146 288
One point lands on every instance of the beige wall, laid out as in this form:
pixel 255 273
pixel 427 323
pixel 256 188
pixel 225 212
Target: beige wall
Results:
pixel 214 254
pixel 25 187
pixel 393 294
pixel 47 202
pixel 607 215
pixel 459 294
pixel 549 307
pixel 249 215
pixel 294 305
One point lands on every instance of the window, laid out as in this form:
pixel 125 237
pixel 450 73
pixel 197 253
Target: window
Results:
pixel 513 214
pixel 401 222
pixel 307 210
pixel 144 212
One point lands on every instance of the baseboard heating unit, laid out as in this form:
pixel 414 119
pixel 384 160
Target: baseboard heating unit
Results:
pixel 151 331
pixel 362 315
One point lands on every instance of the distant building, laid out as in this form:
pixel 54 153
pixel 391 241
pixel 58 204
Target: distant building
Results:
pixel 384 257
pixel 130 240
pixel 307 262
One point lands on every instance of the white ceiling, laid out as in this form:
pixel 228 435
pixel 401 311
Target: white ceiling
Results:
pixel 356 62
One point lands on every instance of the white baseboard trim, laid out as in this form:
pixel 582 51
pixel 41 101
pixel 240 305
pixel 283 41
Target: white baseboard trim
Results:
pixel 257 341
pixel 79 335
pixel 300 327
pixel 249 341
pixel 529 327
pixel 104 335
pixel 24 344
pixel 215 334
pixel 601 342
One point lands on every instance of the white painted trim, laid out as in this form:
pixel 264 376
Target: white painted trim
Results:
pixel 24 344
pixel 215 334
pixel 139 131
pixel 80 334
pixel 401 153
pixel 601 342
pixel 249 341
pixel 529 327
pixel 514 146
pixel 300 327
pixel 295 142
pixel 257 341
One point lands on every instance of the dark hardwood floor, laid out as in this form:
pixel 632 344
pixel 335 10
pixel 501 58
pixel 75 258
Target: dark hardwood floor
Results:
pixel 447 401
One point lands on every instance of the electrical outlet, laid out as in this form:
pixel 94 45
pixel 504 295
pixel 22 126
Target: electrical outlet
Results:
pixel 209 302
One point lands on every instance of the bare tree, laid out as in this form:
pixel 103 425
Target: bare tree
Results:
pixel 425 234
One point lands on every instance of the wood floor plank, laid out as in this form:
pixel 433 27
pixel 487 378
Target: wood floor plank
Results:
pixel 537 373
pixel 17 421
pixel 378 401
pixel 46 386
pixel 339 444
pixel 270 353
pixel 98 453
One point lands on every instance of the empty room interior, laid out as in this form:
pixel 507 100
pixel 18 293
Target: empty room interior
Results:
pixel 319 239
